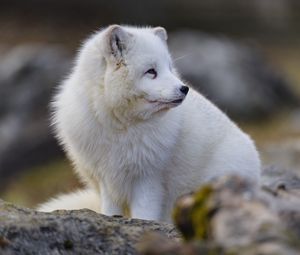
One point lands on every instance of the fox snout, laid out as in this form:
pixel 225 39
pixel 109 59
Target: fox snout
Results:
pixel 183 92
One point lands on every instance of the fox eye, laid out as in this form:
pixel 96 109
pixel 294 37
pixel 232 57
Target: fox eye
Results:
pixel 152 72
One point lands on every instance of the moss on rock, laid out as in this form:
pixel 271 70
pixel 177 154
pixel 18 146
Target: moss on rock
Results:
pixel 192 214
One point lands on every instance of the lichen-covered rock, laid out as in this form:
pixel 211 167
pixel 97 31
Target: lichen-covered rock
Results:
pixel 229 216
pixel 192 214
pixel 24 231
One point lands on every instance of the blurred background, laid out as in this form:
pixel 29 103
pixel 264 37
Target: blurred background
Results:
pixel 243 55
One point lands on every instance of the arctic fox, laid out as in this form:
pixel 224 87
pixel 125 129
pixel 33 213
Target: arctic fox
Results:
pixel 137 135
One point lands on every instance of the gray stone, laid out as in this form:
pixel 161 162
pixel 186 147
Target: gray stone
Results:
pixel 285 155
pixel 24 231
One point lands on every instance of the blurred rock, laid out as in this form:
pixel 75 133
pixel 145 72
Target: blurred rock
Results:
pixel 284 172
pixel 156 244
pixel 28 75
pixel 276 177
pixel 24 231
pixel 284 155
pixel 233 75
pixel 229 216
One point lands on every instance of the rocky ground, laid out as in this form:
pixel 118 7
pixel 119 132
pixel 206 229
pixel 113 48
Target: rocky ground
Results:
pixel 24 231
pixel 227 216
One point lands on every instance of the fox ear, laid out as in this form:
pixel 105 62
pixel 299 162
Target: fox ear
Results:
pixel 117 40
pixel 161 33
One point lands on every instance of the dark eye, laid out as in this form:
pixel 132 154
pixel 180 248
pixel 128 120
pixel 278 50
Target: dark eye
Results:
pixel 152 72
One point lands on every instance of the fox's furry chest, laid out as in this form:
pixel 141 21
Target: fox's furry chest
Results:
pixel 120 158
pixel 132 155
pixel 124 158
pixel 141 151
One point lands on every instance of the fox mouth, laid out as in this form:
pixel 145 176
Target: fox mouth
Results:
pixel 172 102
pixel 177 101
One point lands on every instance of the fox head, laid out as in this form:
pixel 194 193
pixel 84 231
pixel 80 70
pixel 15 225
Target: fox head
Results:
pixel 132 71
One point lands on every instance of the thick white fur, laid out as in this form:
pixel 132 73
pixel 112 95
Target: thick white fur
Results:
pixel 125 138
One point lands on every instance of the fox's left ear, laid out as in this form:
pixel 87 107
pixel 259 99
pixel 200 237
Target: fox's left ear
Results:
pixel 161 33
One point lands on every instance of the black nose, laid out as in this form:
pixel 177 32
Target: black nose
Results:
pixel 184 89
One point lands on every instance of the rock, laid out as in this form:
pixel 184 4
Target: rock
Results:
pixel 284 155
pixel 28 75
pixel 279 178
pixel 229 216
pixel 283 173
pixel 24 231
pixel 233 75
pixel 156 244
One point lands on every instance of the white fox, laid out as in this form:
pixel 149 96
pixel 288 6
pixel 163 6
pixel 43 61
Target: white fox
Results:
pixel 138 136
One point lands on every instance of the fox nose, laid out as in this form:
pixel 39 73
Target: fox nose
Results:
pixel 184 89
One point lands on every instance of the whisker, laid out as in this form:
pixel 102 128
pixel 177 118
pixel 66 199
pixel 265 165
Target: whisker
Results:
pixel 176 59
